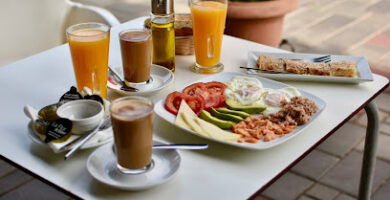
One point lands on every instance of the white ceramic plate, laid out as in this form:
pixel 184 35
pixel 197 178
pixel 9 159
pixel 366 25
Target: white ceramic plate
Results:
pixel 161 76
pixel 267 83
pixel 101 164
pixel 363 69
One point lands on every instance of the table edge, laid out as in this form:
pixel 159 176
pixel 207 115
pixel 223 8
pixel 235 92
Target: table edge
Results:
pixel 51 184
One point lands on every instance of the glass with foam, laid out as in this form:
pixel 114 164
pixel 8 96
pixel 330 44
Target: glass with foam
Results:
pixel 132 123
pixel 136 50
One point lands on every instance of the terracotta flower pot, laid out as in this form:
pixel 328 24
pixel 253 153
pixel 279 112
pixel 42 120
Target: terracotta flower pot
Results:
pixel 261 22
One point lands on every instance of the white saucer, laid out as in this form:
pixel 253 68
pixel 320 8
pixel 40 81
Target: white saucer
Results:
pixel 161 76
pixel 101 164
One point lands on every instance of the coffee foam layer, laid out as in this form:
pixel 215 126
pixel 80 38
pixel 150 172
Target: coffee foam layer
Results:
pixel 135 36
pixel 131 108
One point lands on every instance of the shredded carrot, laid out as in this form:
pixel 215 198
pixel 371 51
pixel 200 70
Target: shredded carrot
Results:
pixel 255 128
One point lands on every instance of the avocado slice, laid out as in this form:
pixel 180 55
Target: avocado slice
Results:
pixel 233 112
pixel 218 122
pixel 251 109
pixel 225 116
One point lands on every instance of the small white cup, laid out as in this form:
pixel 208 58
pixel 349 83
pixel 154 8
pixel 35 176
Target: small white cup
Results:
pixel 84 114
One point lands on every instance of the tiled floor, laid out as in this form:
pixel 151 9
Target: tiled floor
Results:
pixel 332 171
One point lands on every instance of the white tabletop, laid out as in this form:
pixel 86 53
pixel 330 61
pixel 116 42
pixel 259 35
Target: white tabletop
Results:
pixel 220 172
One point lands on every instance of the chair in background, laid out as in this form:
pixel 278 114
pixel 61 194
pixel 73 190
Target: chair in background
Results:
pixel 32 26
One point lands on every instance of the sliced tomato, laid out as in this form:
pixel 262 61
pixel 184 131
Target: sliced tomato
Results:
pixel 211 92
pixel 196 103
pixel 216 87
pixel 222 101
pixel 172 102
pixel 212 101
pixel 215 101
pixel 194 88
pixel 205 94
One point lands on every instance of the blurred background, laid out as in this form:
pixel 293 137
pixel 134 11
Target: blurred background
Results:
pixel 350 27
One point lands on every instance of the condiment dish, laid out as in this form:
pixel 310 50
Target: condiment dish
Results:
pixel 84 114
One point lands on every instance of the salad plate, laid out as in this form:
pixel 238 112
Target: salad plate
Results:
pixel 267 83
pixel 363 69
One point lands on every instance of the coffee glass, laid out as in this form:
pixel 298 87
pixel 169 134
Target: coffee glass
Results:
pixel 132 123
pixel 89 46
pixel 136 49
pixel 208 24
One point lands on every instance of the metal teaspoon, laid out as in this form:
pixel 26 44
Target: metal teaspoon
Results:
pixel 124 86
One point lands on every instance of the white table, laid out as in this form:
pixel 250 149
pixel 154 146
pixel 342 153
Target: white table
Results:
pixel 221 172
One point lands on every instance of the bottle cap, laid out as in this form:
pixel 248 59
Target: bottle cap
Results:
pixel 162 7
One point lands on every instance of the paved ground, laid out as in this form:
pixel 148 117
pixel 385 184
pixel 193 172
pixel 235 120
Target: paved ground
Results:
pixel 351 27
pixel 332 171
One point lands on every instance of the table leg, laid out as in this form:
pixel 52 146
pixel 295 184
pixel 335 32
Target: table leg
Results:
pixel 370 146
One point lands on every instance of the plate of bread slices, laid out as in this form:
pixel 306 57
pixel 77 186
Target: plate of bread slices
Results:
pixel 302 67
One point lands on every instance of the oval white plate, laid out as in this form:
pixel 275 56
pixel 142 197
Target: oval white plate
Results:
pixel 101 164
pixel 160 110
pixel 161 76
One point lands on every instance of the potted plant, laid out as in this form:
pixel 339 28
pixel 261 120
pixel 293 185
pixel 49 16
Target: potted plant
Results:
pixel 260 21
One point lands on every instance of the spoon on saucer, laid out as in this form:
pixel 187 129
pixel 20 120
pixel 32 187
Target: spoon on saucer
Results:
pixel 124 86
pixel 181 146
pixel 176 146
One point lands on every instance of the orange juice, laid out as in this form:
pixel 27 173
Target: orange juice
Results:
pixel 208 23
pixel 89 49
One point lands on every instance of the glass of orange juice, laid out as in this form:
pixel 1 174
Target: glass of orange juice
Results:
pixel 89 44
pixel 208 24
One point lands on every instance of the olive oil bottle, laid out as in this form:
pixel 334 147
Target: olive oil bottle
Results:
pixel 163 34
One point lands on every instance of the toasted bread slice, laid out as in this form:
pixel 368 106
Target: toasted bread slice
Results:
pixel 296 67
pixel 343 68
pixel 270 63
pixel 321 69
